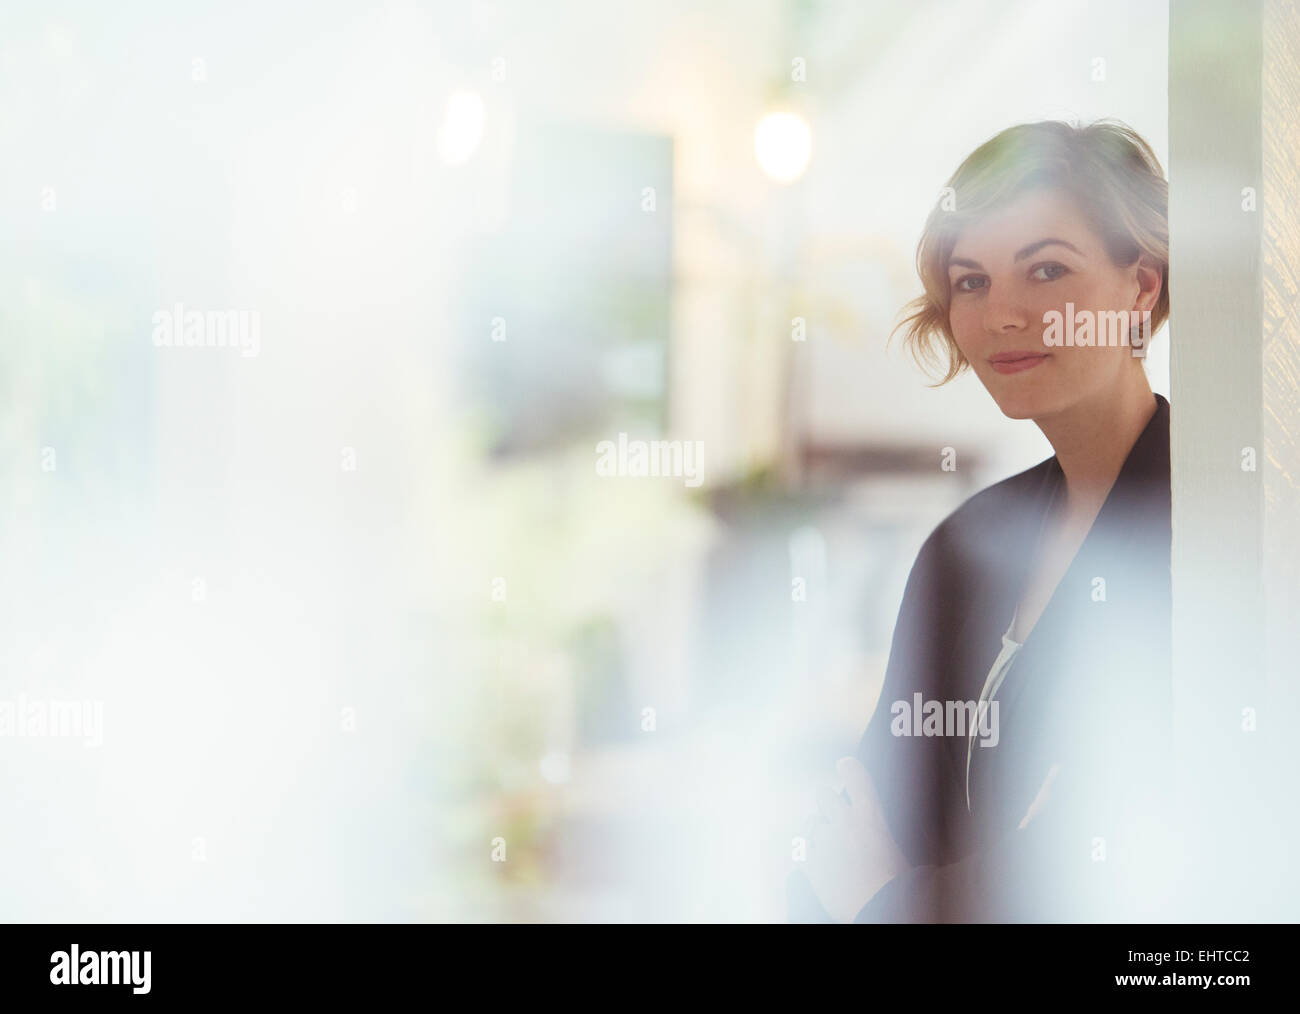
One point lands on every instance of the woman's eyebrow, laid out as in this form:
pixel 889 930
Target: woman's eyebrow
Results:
pixel 1033 248
pixel 1019 255
pixel 1029 251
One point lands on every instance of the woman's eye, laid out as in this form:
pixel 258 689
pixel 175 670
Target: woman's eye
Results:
pixel 1053 271
pixel 969 283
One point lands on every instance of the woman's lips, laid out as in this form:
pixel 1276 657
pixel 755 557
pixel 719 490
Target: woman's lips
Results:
pixel 1018 364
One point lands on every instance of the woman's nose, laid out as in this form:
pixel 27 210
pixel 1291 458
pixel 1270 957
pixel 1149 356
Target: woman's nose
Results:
pixel 1004 316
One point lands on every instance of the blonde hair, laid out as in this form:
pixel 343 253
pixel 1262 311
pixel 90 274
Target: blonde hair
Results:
pixel 1107 168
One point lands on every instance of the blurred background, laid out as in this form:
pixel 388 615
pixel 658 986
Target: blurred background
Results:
pixel 373 637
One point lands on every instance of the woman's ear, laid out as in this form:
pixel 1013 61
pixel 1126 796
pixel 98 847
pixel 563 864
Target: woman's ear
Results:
pixel 1149 274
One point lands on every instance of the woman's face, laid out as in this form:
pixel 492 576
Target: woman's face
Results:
pixel 1008 271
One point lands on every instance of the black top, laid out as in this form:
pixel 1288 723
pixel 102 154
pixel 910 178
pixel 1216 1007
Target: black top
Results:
pixel 1090 691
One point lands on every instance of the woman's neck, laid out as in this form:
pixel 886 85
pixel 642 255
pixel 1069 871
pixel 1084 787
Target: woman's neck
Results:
pixel 1093 438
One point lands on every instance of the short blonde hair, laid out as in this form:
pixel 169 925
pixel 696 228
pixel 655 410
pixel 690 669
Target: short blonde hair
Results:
pixel 1107 168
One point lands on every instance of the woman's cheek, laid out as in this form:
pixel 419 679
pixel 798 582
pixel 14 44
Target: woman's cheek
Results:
pixel 959 320
pixel 1059 305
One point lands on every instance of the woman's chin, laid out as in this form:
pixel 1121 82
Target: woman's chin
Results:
pixel 1022 404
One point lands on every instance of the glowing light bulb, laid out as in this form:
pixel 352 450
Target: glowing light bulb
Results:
pixel 783 144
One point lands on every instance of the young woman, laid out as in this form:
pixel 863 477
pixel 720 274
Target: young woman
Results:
pixel 1013 768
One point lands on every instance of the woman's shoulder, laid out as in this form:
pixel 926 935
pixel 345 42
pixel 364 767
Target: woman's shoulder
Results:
pixel 995 508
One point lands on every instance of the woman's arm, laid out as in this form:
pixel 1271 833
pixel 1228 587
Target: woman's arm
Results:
pixel 1099 846
pixel 900 772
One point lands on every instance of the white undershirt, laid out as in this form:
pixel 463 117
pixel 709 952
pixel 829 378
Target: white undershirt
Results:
pixel 994 680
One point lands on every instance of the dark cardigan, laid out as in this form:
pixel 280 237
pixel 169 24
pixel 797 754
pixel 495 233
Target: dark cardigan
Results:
pixel 1090 691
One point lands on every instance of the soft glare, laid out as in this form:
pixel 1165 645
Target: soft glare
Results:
pixel 462 128
pixel 783 144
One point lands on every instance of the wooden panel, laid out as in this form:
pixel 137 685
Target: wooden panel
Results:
pixel 1281 359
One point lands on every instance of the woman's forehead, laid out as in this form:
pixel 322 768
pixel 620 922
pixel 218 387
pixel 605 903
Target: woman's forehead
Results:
pixel 1023 220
